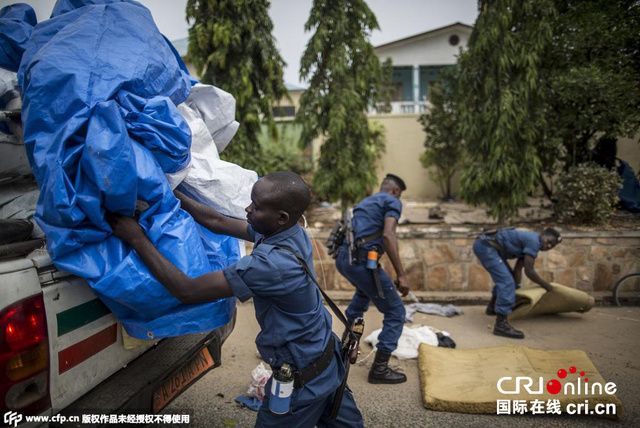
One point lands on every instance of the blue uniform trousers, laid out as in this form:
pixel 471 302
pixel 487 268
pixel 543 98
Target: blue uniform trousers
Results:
pixel 314 414
pixel 505 285
pixel 391 306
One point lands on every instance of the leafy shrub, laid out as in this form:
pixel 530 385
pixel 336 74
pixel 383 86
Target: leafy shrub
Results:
pixel 587 193
pixel 281 150
pixel 282 157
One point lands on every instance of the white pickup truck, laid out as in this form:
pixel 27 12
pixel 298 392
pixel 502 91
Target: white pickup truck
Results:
pixel 61 348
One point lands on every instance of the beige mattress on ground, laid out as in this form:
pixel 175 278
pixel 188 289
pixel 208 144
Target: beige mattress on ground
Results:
pixel 534 301
pixel 465 380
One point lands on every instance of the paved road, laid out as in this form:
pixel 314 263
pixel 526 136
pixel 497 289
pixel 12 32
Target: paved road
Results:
pixel 610 336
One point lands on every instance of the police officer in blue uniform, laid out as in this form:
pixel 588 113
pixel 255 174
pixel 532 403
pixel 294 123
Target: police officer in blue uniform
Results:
pixel 295 325
pixel 374 225
pixel 493 250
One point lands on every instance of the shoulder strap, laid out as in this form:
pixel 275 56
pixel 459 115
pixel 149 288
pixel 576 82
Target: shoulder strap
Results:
pixel 330 302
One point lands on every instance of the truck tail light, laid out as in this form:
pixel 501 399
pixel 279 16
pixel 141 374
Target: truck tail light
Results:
pixel 24 356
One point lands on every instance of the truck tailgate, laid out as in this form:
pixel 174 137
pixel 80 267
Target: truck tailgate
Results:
pixel 139 385
pixel 85 338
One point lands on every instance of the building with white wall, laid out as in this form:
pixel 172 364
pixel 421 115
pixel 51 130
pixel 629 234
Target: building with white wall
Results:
pixel 418 61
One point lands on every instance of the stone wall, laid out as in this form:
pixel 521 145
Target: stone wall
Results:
pixel 444 261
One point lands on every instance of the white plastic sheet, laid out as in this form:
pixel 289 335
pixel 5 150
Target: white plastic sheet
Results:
pixel 13 156
pixel 18 202
pixel 224 186
pixel 217 109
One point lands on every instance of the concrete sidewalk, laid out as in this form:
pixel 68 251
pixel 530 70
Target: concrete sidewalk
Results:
pixel 609 336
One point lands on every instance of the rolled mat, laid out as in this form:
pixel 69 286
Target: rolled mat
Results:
pixel 534 301
pixel 467 380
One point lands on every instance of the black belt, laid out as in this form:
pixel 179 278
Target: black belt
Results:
pixel 362 258
pixel 306 375
pixel 362 255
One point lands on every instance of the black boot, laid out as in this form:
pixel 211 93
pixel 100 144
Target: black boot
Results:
pixel 503 328
pixel 380 371
pixel 491 306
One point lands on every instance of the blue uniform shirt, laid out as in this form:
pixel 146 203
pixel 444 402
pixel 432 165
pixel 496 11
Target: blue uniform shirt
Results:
pixel 295 325
pixel 518 243
pixel 369 216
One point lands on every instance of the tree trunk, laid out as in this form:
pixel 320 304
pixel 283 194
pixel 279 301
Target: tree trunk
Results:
pixel 545 187
pixel 448 195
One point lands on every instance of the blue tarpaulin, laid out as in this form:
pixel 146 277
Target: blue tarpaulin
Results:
pixel 16 23
pixel 100 86
pixel 630 191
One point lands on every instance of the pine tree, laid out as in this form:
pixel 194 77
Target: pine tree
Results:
pixel 231 46
pixel 501 108
pixel 345 78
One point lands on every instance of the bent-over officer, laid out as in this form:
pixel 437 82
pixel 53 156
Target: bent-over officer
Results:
pixel 493 250
pixel 295 325
pixel 374 224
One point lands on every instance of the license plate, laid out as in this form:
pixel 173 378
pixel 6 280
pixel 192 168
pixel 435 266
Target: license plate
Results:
pixel 181 379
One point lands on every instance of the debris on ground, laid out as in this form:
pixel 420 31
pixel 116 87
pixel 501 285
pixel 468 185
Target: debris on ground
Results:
pixel 430 309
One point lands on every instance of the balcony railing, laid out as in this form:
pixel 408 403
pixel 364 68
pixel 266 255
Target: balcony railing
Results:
pixel 405 107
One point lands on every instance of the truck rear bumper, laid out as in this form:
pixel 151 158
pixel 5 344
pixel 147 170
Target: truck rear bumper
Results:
pixel 131 390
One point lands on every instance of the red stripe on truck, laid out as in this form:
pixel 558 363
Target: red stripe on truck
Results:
pixel 75 354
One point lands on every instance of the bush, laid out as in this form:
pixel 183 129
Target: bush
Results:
pixel 281 150
pixel 587 193
pixel 280 157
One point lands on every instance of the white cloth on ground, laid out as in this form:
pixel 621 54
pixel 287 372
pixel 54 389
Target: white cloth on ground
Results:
pixel 409 341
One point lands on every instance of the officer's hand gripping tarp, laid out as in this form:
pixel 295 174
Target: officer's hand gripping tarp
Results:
pixel 100 87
